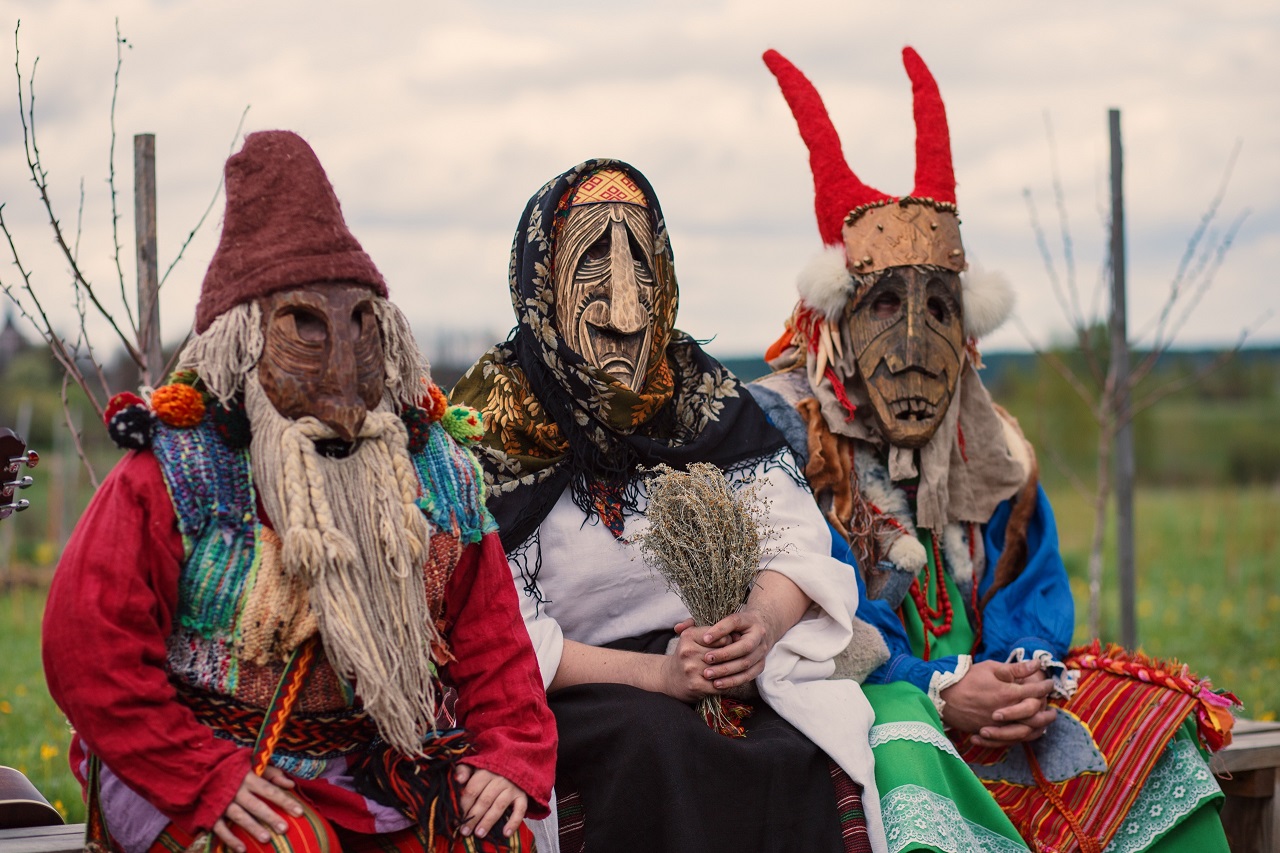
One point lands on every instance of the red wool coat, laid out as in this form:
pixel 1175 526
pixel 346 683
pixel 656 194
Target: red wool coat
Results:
pixel 111 609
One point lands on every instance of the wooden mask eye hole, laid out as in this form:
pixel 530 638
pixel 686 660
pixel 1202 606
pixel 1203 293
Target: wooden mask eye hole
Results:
pixel 309 326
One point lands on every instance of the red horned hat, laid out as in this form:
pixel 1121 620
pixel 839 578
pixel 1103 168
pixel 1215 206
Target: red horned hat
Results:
pixel 880 230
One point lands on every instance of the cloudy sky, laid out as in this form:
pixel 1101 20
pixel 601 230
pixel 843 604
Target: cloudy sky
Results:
pixel 436 121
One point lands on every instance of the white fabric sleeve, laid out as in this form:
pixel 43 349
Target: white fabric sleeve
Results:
pixel 942 680
pixel 544 631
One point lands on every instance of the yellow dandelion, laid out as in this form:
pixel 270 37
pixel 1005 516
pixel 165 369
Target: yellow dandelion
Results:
pixel 1267 716
pixel 1226 608
pixel 48 751
pixel 5 707
pixel 20 690
pixel 62 810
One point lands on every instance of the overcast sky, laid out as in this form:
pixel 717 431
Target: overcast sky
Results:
pixel 436 121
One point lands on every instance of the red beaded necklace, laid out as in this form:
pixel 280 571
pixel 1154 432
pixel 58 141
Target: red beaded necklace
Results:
pixel 929 614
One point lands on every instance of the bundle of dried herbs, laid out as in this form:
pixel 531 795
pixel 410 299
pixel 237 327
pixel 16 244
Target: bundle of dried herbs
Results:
pixel 706 538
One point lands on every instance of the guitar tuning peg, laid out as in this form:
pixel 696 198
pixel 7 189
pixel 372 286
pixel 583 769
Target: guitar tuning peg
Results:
pixel 21 483
pixel 32 459
pixel 16 506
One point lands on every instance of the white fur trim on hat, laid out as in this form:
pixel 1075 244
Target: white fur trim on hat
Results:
pixel 825 284
pixel 988 301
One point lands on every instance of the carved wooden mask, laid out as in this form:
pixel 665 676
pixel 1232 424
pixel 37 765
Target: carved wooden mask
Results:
pixel 322 355
pixel 907 333
pixel 604 288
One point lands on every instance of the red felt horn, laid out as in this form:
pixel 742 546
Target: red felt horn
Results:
pixel 935 176
pixel 837 189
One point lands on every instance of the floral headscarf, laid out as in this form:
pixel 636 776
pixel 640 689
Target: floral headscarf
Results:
pixel 553 421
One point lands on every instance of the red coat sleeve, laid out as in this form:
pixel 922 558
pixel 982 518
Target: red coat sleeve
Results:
pixel 501 701
pixel 110 611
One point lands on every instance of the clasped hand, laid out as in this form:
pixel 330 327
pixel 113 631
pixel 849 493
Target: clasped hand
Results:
pixel 708 660
pixel 1000 703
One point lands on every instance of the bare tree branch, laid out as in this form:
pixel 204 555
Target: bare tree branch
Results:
pixel 1180 276
pixel 43 327
pixel 40 178
pixel 111 183
pixel 1064 370
pixel 76 434
pixel 80 305
pixel 217 191
pixel 1059 198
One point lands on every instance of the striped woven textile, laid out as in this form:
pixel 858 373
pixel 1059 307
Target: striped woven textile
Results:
pixel 1132 723
pixel 311 735
pixel 313 834
pixel 853 820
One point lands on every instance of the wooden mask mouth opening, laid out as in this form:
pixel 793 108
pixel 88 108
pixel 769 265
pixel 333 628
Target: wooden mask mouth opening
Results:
pixel 907 335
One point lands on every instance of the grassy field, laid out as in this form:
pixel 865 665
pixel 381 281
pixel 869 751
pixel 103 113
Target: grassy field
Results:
pixel 33 733
pixel 1208 594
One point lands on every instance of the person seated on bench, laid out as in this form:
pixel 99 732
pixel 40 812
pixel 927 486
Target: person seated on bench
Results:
pixel 934 489
pixel 595 386
pixel 254 624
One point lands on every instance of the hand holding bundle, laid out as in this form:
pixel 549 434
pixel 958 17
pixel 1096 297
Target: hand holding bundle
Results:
pixel 706 540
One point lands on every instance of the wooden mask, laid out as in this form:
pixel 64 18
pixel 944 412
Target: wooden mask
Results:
pixel 604 288
pixel 907 333
pixel 322 355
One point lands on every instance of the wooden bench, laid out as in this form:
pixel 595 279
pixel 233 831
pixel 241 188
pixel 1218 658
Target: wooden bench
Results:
pixel 43 839
pixel 1249 772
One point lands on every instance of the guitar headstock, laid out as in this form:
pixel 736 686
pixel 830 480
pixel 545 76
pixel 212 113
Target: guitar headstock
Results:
pixel 13 456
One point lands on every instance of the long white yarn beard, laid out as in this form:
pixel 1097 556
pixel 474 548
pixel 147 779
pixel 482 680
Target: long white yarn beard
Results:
pixel 351 530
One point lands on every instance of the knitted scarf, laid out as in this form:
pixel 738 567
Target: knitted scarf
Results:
pixel 554 421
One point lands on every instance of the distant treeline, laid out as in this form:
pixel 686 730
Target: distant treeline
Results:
pixel 1219 430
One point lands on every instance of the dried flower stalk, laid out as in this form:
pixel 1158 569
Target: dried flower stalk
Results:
pixel 707 540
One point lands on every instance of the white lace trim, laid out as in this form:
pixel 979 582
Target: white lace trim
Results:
pixel 942 680
pixel 916 815
pixel 913 731
pixel 1180 783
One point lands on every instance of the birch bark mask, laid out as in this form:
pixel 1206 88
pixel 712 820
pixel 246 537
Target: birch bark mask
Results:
pixel 604 286
pixel 907 334
pixel 322 355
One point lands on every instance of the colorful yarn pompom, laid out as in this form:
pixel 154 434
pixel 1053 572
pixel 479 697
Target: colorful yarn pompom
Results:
pixel 128 421
pixel 178 405
pixel 435 403
pixel 418 423
pixel 464 424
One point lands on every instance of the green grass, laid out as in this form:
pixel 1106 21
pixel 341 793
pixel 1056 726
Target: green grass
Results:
pixel 1208 585
pixel 1208 594
pixel 33 733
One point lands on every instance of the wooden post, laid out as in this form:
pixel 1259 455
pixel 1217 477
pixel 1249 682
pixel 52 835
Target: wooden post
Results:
pixel 1124 468
pixel 144 217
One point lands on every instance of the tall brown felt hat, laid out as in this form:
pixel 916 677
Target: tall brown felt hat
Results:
pixel 283 228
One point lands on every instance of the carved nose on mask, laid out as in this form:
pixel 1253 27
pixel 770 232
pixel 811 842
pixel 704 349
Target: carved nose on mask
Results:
pixel 626 315
pixel 345 420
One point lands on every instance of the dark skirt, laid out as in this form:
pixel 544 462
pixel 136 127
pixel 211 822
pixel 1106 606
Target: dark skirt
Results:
pixel 654 777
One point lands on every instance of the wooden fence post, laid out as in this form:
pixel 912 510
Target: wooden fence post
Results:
pixel 1124 467
pixel 144 217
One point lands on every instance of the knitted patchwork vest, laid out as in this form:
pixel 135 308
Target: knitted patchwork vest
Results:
pixel 224 544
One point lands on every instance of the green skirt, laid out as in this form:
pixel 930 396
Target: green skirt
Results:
pixel 931 800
